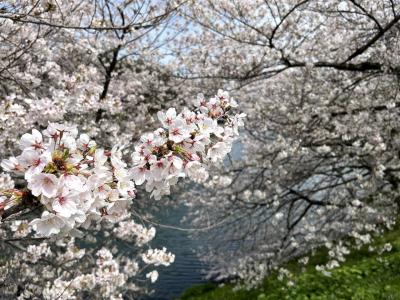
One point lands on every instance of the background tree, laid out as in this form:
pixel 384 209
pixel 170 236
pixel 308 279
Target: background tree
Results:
pixel 84 61
pixel 320 160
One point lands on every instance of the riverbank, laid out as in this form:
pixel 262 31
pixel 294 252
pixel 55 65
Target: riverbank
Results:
pixel 365 275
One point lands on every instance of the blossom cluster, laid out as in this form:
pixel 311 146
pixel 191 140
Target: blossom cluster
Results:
pixel 107 276
pixel 127 229
pixel 75 272
pixel 74 180
pixel 185 143
pixel 158 257
pixel 75 183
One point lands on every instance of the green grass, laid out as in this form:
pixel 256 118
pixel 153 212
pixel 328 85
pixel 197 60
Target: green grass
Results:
pixel 364 276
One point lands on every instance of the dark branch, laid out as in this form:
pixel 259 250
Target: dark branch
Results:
pixel 376 37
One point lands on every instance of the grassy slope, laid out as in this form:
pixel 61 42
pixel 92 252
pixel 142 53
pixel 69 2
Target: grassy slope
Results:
pixel 363 276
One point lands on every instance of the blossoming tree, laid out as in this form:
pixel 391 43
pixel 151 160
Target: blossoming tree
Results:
pixel 319 164
pixel 65 200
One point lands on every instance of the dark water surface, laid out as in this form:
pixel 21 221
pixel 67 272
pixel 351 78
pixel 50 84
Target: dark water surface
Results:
pixel 187 270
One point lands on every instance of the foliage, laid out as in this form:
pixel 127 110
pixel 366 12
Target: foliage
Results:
pixel 366 275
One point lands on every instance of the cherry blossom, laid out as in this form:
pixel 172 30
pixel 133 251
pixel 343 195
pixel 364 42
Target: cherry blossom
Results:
pixel 153 275
pixel 48 224
pixel 43 184
pixel 186 144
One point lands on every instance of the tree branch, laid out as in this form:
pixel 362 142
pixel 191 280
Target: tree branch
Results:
pixel 376 37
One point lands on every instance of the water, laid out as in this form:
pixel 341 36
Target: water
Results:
pixel 187 270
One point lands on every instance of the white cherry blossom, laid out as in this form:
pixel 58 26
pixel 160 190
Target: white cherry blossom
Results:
pixel 31 141
pixel 48 224
pixel 43 184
